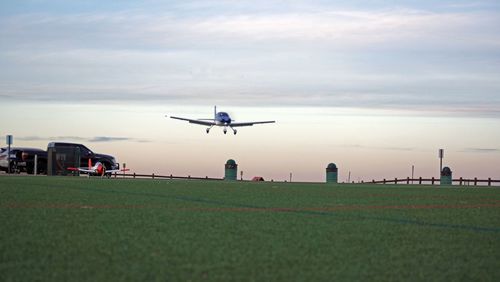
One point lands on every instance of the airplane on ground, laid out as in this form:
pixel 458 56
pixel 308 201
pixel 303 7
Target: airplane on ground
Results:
pixel 221 119
pixel 97 169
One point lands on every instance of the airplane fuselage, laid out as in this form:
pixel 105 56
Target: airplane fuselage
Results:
pixel 99 169
pixel 222 119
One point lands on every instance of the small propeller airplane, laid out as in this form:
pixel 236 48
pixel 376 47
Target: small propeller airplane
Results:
pixel 97 169
pixel 221 119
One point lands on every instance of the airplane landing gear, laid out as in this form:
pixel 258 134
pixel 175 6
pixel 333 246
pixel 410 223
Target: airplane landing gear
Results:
pixel 208 130
pixel 225 130
pixel 234 130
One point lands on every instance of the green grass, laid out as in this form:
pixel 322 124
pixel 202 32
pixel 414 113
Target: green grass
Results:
pixel 60 229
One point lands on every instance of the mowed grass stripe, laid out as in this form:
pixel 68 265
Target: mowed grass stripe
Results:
pixel 308 211
pixel 333 211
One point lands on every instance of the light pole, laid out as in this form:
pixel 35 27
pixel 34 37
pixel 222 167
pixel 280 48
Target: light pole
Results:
pixel 441 156
pixel 9 141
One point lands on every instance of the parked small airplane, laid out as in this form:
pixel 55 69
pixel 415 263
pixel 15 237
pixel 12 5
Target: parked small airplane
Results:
pixel 221 119
pixel 97 169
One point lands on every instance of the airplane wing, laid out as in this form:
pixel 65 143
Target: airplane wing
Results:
pixel 239 124
pixel 196 121
pixel 81 169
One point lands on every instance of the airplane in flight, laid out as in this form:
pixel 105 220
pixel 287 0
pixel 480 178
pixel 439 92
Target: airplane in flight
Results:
pixel 97 169
pixel 221 119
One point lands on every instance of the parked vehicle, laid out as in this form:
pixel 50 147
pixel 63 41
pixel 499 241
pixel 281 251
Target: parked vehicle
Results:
pixel 27 163
pixel 23 160
pixel 4 159
pixel 85 154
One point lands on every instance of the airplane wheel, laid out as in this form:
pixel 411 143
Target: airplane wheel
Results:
pixel 225 131
pixel 208 130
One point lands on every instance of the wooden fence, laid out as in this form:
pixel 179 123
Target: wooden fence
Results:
pixel 154 176
pixel 433 181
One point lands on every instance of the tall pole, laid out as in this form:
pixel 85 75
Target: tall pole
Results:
pixel 35 165
pixel 441 155
pixel 8 159
pixel 9 142
pixel 412 173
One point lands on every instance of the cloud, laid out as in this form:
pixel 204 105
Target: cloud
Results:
pixel 387 148
pixel 102 139
pixel 97 139
pixel 259 54
pixel 72 138
pixel 333 28
pixel 30 138
pixel 344 30
pixel 482 150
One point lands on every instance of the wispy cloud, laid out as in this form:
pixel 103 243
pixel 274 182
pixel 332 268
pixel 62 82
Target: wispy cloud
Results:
pixel 102 139
pixel 97 139
pixel 387 148
pixel 307 54
pixel 338 29
pixel 30 138
pixel 482 150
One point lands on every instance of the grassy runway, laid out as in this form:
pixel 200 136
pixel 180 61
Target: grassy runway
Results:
pixel 60 229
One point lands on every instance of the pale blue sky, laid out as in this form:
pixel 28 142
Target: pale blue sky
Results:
pixel 414 61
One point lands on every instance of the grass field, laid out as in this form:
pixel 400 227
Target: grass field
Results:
pixel 60 229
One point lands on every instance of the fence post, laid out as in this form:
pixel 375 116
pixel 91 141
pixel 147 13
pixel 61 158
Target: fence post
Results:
pixel 171 176
pixel 35 163
pixel 396 180
pixel 408 180
pixel 432 180
pixel 153 175
pixel 420 180
pixel 134 175
pixel 461 181
pixel 384 180
pixel 373 180
pixel 489 181
pixel 475 181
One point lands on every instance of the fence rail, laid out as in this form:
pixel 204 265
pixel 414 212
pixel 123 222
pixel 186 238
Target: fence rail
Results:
pixel 460 181
pixel 153 176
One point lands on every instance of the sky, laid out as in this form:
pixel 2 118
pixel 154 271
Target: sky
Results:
pixel 374 86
